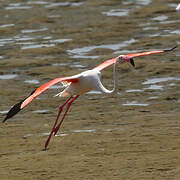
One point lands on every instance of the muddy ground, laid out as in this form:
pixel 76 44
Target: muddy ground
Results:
pixel 131 135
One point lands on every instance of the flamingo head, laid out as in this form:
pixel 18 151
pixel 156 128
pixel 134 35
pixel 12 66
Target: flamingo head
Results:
pixel 123 58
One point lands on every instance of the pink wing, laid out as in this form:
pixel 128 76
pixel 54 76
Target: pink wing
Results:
pixel 17 107
pixel 105 64
pixel 132 55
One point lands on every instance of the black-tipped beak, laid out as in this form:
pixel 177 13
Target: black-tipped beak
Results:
pixel 171 49
pixel 132 62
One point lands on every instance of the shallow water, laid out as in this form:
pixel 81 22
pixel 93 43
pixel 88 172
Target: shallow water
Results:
pixel 32 81
pixel 42 111
pixel 134 90
pixel 84 130
pixel 159 80
pixel 81 52
pixel 116 12
pixel 8 76
pixel 155 87
pixel 35 46
pixel 134 103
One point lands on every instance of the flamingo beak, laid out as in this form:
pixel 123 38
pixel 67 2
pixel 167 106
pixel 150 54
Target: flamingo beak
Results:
pixel 132 62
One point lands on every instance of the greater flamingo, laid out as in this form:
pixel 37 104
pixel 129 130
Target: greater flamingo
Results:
pixel 78 85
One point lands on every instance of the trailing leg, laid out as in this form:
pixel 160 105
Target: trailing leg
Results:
pixel 59 113
pixel 68 106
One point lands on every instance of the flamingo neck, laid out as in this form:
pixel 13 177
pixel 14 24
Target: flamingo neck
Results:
pixel 115 88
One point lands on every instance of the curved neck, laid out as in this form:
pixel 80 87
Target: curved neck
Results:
pixel 115 89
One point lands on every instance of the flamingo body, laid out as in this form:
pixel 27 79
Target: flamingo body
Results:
pixel 87 81
pixel 77 85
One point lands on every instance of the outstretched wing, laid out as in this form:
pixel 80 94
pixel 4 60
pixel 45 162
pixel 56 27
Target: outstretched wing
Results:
pixel 132 55
pixel 23 103
pixel 105 64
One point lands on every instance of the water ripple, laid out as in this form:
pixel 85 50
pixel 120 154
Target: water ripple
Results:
pixel 117 12
pixel 163 79
pixel 81 52
pixel 16 6
pixel 8 76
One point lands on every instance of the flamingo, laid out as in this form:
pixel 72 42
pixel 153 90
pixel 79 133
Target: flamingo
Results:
pixel 77 85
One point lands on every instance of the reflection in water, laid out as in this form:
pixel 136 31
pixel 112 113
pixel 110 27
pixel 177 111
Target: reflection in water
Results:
pixel 37 2
pixel 163 79
pixel 23 38
pixel 63 4
pixel 16 6
pixel 155 87
pixel 125 12
pixel 43 111
pixel 59 64
pixel 160 18
pixel 33 81
pixel 6 41
pixel 8 76
pixel 77 3
pixel 76 65
pixel 37 46
pixel 134 90
pixel 84 50
pixel 137 2
pixel 43 134
pixel 142 2
pixel 150 28
pixel 117 12
pixel 175 32
pixel 56 4
pixel 62 134
pixel 153 97
pixel 34 30
pixel 94 92
pixel 6 25
pixel 25 43
pixel 134 103
pixel 84 57
pixel 60 40
pixel 4 112
pixel 84 130
pixel 170 22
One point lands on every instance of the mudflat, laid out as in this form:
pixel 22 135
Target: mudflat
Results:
pixel 131 135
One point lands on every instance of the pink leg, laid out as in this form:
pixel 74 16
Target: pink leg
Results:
pixel 68 106
pixel 59 113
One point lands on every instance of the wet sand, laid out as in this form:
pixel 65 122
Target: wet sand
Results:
pixel 131 135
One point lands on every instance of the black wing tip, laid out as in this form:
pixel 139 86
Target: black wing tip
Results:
pixel 171 49
pixel 13 111
pixel 4 119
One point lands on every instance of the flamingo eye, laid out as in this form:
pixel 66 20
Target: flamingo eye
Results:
pixel 121 59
